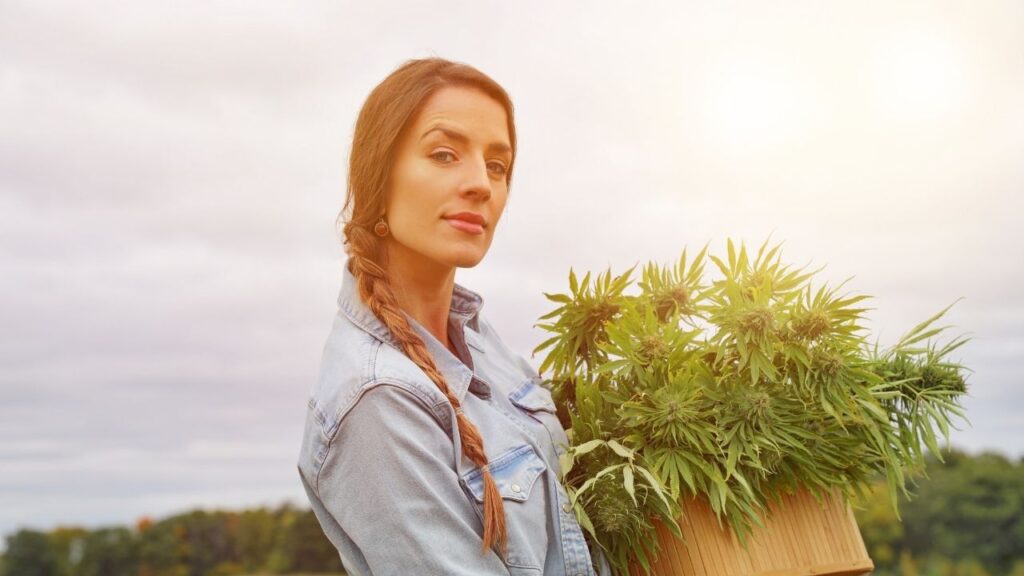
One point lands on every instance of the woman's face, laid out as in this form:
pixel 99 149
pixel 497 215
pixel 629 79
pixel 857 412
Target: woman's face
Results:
pixel 447 189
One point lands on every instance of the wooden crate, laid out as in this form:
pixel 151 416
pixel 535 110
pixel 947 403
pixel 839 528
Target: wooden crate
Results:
pixel 801 538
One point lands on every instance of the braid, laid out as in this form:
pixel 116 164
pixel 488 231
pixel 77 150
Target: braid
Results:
pixel 375 290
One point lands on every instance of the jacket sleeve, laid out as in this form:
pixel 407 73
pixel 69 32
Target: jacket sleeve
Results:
pixel 389 482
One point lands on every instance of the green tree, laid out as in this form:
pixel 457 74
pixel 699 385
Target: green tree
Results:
pixel 29 553
pixel 908 566
pixel 301 545
pixel 941 566
pixel 206 540
pixel 971 507
pixel 68 544
pixel 159 553
pixel 971 567
pixel 881 530
pixel 109 551
pixel 256 532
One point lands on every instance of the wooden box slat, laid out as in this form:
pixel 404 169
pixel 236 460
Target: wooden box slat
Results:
pixel 801 538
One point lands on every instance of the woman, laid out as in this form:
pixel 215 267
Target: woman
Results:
pixel 430 447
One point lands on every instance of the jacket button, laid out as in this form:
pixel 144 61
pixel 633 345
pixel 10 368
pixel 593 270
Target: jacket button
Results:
pixel 566 508
pixel 516 488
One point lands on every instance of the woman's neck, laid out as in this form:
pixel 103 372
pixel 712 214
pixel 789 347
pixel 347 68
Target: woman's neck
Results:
pixel 423 290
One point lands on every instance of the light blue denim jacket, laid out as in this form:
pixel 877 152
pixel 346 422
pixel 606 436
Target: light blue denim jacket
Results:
pixel 383 466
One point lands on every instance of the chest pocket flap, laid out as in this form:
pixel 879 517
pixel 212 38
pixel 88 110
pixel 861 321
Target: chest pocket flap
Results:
pixel 533 397
pixel 515 473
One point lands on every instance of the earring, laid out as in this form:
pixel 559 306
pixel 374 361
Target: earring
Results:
pixel 381 228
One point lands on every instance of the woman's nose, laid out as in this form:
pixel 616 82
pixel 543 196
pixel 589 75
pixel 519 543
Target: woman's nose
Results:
pixel 477 182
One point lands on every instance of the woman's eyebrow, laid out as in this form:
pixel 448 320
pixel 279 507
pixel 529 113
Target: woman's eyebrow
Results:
pixel 463 139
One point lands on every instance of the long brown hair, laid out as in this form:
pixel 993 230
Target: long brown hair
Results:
pixel 383 120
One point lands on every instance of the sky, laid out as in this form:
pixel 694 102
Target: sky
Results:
pixel 170 174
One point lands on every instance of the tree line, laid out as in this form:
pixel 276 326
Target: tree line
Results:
pixel 279 540
pixel 965 518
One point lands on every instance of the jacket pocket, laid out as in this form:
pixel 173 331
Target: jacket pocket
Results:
pixel 518 473
pixel 536 400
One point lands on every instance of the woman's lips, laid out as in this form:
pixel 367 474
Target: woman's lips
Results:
pixel 469 227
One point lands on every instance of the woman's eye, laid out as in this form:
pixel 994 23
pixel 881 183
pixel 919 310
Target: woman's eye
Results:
pixel 446 156
pixel 441 153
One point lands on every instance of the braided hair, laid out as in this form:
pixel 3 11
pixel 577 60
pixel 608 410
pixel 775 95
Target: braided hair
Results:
pixel 383 120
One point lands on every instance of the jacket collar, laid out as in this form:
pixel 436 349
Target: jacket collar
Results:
pixel 464 311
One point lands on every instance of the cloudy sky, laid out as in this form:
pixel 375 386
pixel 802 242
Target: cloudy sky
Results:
pixel 170 173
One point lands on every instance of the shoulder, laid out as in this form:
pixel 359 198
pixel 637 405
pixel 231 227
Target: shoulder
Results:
pixel 386 427
pixel 386 410
pixel 353 363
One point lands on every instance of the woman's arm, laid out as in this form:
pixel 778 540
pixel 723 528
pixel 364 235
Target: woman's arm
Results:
pixel 388 482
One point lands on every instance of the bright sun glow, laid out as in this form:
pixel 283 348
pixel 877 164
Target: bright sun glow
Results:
pixel 918 75
pixel 753 104
pixel 754 101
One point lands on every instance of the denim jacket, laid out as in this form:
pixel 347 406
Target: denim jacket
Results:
pixel 381 458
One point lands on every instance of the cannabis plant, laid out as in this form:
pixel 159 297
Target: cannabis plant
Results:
pixel 735 390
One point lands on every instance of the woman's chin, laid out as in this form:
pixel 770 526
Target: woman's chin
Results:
pixel 468 262
pixel 466 258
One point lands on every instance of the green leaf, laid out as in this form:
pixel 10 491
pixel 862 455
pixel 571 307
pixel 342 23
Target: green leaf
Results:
pixel 584 520
pixel 560 298
pixel 611 366
pixel 911 337
pixel 743 482
pixel 734 454
pixel 654 484
pixel 565 463
pixel 546 344
pixel 874 409
pixel 587 447
pixel 620 449
pixel 627 476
